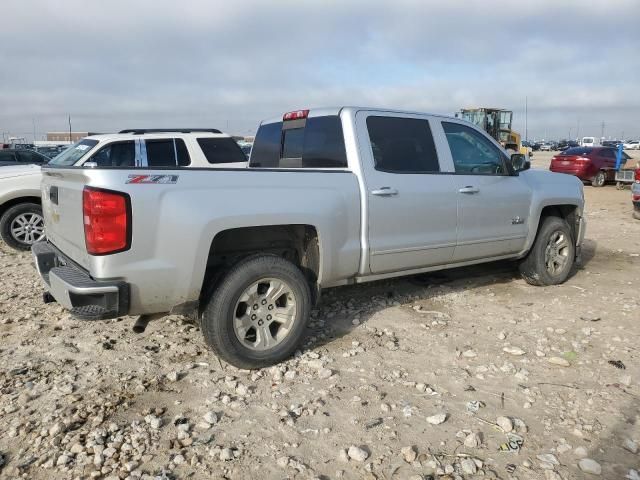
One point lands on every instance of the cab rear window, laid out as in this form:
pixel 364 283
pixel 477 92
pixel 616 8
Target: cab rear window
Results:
pixel 317 142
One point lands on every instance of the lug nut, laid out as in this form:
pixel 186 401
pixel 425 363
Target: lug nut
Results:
pixel 264 302
pixel 260 322
pixel 253 317
pixel 255 307
pixel 270 307
pixel 268 317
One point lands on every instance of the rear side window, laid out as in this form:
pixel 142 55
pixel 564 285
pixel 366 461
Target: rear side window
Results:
pixel 168 152
pixel 316 142
pixel 221 150
pixel 402 145
pixel 118 154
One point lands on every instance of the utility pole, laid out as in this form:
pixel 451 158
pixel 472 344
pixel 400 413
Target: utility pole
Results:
pixel 602 130
pixel 526 120
pixel 70 142
pixel 578 131
pixel 569 137
pixel 34 131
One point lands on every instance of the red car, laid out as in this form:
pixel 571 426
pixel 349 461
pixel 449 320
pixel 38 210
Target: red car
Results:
pixel 590 164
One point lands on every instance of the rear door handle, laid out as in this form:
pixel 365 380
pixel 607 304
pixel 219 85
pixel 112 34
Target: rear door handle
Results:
pixel 469 189
pixel 384 192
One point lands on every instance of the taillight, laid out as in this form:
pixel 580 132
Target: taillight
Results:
pixel 297 115
pixel 582 160
pixel 107 221
pixel 637 175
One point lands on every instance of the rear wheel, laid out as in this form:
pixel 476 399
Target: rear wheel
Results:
pixel 22 225
pixel 552 256
pixel 257 314
pixel 636 214
pixel 599 179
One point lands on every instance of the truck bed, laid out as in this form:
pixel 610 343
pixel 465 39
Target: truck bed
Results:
pixel 176 214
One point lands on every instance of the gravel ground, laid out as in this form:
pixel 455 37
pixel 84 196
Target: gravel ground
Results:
pixel 461 374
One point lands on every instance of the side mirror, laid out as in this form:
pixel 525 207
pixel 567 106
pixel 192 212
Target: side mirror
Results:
pixel 519 162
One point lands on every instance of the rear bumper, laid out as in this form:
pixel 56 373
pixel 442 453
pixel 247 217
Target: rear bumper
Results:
pixel 73 288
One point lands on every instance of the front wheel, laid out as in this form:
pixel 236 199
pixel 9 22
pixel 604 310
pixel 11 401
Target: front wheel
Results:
pixel 599 179
pixel 552 256
pixel 258 313
pixel 22 225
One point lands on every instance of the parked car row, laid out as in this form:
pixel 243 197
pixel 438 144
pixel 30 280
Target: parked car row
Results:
pixel 562 145
pixel 554 146
pixel 330 197
pixel 12 156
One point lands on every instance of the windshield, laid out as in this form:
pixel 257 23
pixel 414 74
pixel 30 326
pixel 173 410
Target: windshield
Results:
pixel 74 153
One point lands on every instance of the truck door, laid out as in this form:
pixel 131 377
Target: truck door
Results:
pixel 410 205
pixel 493 205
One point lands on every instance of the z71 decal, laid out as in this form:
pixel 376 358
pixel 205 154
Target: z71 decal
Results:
pixel 153 179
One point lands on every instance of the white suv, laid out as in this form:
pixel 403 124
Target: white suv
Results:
pixel 21 223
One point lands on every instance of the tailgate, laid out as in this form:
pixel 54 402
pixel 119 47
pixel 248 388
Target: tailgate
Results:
pixel 62 209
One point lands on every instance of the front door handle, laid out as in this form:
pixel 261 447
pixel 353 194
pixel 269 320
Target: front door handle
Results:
pixel 469 189
pixel 384 192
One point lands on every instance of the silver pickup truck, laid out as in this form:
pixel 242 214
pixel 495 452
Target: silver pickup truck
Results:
pixel 330 197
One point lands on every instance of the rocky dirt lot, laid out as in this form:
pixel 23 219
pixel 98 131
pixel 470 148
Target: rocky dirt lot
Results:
pixel 465 374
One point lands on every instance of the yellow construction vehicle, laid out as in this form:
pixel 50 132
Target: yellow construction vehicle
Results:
pixel 497 123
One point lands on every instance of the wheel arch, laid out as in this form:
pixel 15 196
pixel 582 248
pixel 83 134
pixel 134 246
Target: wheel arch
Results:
pixel 567 211
pixel 12 202
pixel 298 243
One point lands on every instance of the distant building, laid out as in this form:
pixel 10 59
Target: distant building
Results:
pixel 64 136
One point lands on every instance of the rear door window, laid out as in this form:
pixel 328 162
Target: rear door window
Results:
pixel 221 150
pixel 117 154
pixel 167 152
pixel 402 145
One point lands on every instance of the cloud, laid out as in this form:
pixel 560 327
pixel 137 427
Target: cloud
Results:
pixel 124 63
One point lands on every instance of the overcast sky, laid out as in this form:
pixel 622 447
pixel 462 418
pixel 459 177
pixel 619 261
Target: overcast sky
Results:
pixel 156 63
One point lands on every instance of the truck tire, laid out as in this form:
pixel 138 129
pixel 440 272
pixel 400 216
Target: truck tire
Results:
pixel 552 255
pixel 257 315
pixel 600 179
pixel 22 225
pixel 636 214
